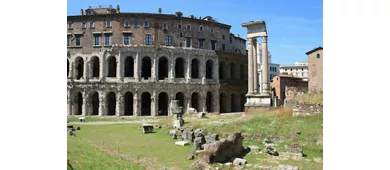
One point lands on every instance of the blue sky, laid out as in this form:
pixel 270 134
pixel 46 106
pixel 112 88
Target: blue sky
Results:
pixel 294 26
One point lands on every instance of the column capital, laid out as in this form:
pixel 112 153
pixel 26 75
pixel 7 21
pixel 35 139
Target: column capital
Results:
pixel 264 39
pixel 252 40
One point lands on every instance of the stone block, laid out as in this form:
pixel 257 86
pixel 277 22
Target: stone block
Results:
pixel 254 148
pixel 82 119
pixel 147 128
pixel 177 123
pixel 239 162
pixel 202 115
pixel 212 138
pixel 182 143
pixel 172 132
pixel 294 148
pixel 192 111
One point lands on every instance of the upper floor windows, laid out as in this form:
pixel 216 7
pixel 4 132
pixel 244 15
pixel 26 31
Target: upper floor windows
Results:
pixel 230 39
pixel 178 26
pixel 213 45
pixel 136 24
pixel 223 36
pixel 96 40
pixel 146 24
pixel 126 24
pixel 168 40
pixel 212 30
pixel 69 37
pixel 78 40
pixel 126 39
pixel 188 42
pixel 108 24
pixel 70 25
pixel 318 55
pixel 91 25
pixel 188 27
pixel 88 12
pixel 84 25
pixel 107 39
pixel 201 43
pixel 148 39
pixel 201 28
pixel 165 26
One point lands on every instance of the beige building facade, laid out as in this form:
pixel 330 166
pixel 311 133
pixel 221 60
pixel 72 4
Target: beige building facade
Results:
pixel 315 60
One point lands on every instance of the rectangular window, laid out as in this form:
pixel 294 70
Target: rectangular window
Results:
pixel 168 40
pixel 107 39
pixel 165 26
pixel 223 47
pixel 126 39
pixel 136 24
pixel 188 27
pixel 108 24
pixel 68 40
pixel 146 24
pixel 188 42
pixel 70 25
pixel 200 28
pixel 97 40
pixel 302 70
pixel 84 25
pixel 91 25
pixel 148 39
pixel 201 43
pixel 213 45
pixel 179 26
pixel 127 24
pixel 223 36
pixel 212 30
pixel 78 40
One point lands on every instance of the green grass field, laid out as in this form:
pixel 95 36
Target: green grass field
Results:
pixel 156 150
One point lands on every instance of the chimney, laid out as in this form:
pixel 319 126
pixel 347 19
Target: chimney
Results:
pixel 117 9
pixel 81 11
pixel 159 10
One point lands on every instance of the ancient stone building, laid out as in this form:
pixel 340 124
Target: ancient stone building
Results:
pixel 315 64
pixel 279 84
pixel 134 64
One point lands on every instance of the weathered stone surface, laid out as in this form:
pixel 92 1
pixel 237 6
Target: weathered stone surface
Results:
pixel 198 133
pixel 287 167
pixel 172 132
pixel 269 148
pixel 239 162
pixel 70 132
pixel 199 164
pixel 198 142
pixel 254 148
pixel 187 135
pixel 262 167
pixel 202 115
pixel 182 143
pixel 294 148
pixel 192 111
pixel 177 123
pixel 212 138
pixel 275 139
pixel 223 150
pixel 318 160
pixel 147 128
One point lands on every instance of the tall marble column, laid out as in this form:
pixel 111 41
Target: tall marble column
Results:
pixel 250 65
pixel 153 104
pixel 137 68
pixel 188 70
pixel 264 65
pixel 102 67
pixel 255 73
pixel 171 70
pixel 154 75
pixel 70 102
pixel 85 70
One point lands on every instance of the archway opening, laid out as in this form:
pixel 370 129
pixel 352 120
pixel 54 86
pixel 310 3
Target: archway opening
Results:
pixel 146 104
pixel 209 102
pixel 195 68
pixel 243 101
pixel 128 104
pixel 129 67
pixel 195 101
pixel 242 72
pixel 79 104
pixel 233 103
pixel 162 68
pixel 95 67
pixel 209 69
pixel 222 103
pixel 179 68
pixel 111 61
pixel 233 71
pixel 146 70
pixel 180 97
pixel 79 68
pixel 111 103
pixel 95 103
pixel 163 104
pixel 221 70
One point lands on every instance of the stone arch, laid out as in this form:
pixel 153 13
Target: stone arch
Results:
pixel 179 68
pixel 95 103
pixel 209 69
pixel 209 102
pixel 222 70
pixel 222 103
pixel 78 104
pixel 146 103
pixel 163 68
pixel 242 72
pixel 129 66
pixel 243 101
pixel 111 64
pixel 233 71
pixel 111 103
pixel 233 103
pixel 180 97
pixel 146 68
pixel 128 102
pixel 195 101
pixel 163 104
pixel 95 67
pixel 79 68
pixel 195 68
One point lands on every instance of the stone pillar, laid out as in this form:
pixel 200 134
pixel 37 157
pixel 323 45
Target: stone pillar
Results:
pixel 171 73
pixel 71 66
pixel 102 104
pixel 102 67
pixel 250 65
pixel 153 105
pixel 136 105
pixel 255 70
pixel 85 71
pixel 215 103
pixel 154 69
pixel 203 70
pixel 119 67
pixel 202 102
pixel 137 68
pixel 187 102
pixel 171 97
pixel 264 65
pixel 119 104
pixel 85 106
pixel 216 70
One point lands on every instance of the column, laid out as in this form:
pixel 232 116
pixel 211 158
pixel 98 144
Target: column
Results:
pixel 136 105
pixel 119 67
pixel 203 70
pixel 215 103
pixel 102 103
pixel 85 74
pixel 154 69
pixel 202 102
pixel 250 65
pixel 216 71
pixel 84 107
pixel 102 67
pixel 187 102
pixel 188 71
pixel 255 70
pixel 118 109
pixel 71 63
pixel 137 68
pixel 171 97
pixel 153 104
pixel 171 73
pixel 264 65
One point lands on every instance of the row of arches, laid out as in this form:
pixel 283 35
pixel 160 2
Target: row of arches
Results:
pixel 146 67
pixel 235 74
pixel 232 103
pixel 146 103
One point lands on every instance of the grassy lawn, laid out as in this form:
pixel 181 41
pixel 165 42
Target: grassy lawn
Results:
pixel 82 155
pixel 157 149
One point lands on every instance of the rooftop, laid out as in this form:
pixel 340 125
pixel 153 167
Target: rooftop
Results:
pixel 314 49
